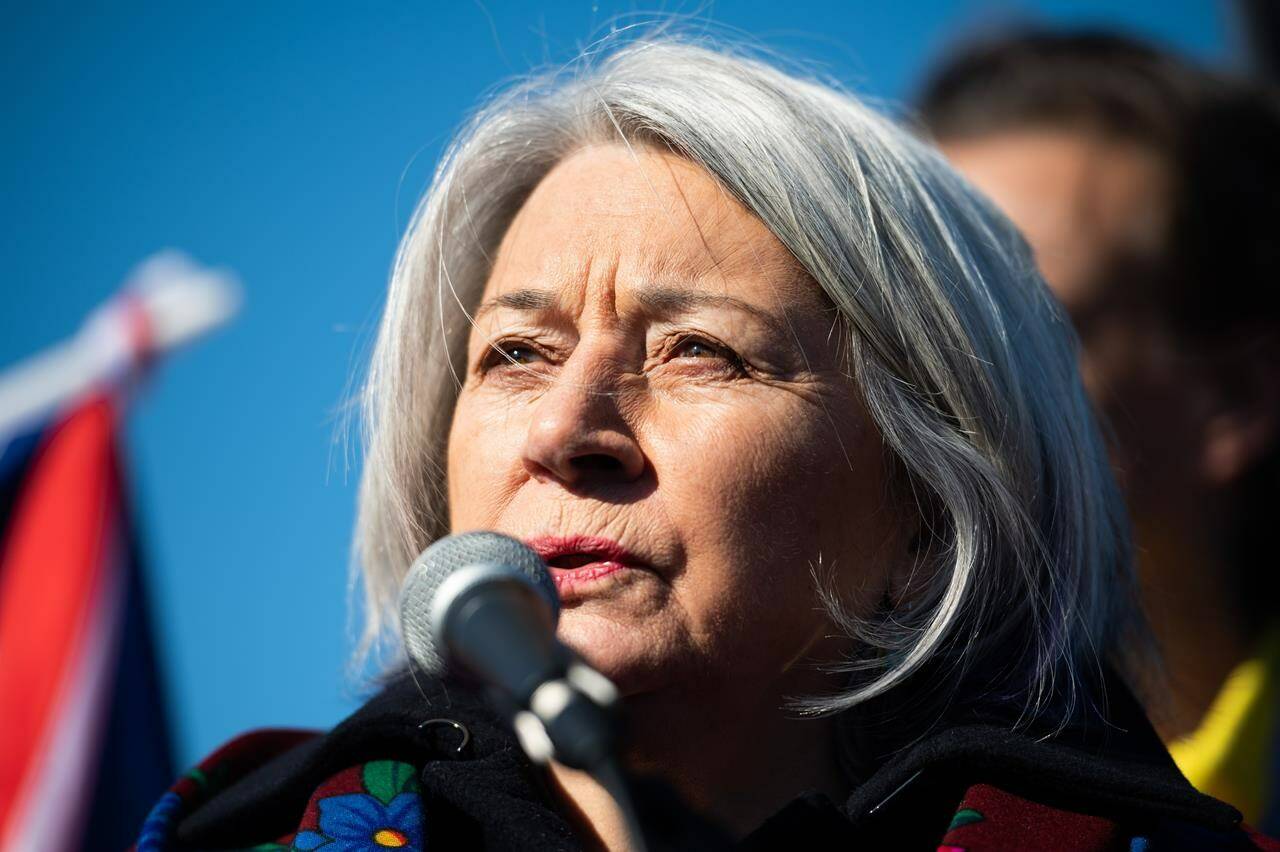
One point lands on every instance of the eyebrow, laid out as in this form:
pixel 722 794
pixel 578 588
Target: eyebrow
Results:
pixel 660 300
pixel 674 300
pixel 518 300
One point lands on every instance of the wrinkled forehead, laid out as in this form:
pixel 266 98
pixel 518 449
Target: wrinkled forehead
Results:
pixel 639 216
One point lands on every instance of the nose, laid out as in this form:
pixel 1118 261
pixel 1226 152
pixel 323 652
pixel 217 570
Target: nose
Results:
pixel 578 435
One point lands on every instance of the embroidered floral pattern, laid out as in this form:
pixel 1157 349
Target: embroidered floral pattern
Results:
pixel 963 817
pixel 368 808
pixel 157 825
pixel 991 817
pixel 360 823
pixel 384 812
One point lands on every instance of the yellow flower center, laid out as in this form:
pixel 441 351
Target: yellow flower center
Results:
pixel 390 837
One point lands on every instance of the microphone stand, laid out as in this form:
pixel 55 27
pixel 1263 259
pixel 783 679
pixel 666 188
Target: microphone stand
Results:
pixel 572 720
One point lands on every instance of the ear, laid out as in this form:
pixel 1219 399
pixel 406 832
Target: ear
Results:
pixel 1245 425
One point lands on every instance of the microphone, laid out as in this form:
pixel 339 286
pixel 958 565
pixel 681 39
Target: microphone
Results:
pixel 485 604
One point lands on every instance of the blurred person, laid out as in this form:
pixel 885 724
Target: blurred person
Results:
pixel 1149 190
pixel 799 430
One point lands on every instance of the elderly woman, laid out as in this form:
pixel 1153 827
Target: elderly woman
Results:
pixel 798 428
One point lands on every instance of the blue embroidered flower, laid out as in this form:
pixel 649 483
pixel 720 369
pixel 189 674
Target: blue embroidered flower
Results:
pixel 358 822
pixel 159 823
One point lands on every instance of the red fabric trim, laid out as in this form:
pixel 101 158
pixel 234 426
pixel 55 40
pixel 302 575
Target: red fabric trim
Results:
pixel 1005 821
pixel 237 757
pixel 346 781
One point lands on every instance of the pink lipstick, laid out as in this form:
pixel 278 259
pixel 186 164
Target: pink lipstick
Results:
pixel 578 562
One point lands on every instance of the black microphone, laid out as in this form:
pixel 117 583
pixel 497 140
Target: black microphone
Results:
pixel 485 604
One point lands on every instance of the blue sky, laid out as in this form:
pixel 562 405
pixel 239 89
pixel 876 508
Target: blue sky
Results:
pixel 289 142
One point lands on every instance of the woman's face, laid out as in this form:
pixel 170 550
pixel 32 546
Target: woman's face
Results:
pixel 653 400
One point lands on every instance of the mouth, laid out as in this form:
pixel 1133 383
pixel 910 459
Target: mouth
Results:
pixel 580 562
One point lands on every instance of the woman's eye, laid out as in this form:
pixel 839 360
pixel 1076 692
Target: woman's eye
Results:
pixel 511 353
pixel 521 354
pixel 693 347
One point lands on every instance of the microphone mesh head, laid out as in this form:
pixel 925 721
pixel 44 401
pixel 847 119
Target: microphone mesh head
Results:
pixel 448 555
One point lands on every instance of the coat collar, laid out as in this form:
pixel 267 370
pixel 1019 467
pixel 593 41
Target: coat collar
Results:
pixel 1119 770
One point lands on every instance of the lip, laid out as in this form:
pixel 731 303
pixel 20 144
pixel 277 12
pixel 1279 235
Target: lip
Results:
pixel 597 559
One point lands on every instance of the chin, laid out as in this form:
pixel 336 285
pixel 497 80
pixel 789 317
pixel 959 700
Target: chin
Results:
pixel 637 658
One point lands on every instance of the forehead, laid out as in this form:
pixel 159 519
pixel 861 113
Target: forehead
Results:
pixel 640 215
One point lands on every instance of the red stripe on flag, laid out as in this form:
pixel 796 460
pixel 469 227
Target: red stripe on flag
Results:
pixel 50 574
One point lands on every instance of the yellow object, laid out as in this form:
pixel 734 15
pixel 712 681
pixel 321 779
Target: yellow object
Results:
pixel 390 837
pixel 1230 756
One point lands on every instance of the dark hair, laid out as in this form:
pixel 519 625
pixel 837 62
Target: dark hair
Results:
pixel 1216 277
pixel 1095 80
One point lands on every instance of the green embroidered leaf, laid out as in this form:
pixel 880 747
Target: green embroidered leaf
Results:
pixel 197 776
pixel 385 779
pixel 963 817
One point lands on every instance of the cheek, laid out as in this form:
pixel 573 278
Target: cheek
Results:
pixel 483 463
pixel 745 481
pixel 763 492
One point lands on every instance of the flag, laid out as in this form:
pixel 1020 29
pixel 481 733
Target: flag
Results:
pixel 84 744
pixel 84 747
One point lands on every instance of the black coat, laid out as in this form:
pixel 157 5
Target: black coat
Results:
pixel 1064 792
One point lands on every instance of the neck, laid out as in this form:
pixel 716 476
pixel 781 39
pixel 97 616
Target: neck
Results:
pixel 735 763
pixel 1196 617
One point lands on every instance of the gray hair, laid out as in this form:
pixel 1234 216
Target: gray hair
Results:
pixel 962 357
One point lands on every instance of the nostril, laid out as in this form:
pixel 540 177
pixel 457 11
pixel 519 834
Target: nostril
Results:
pixel 596 462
